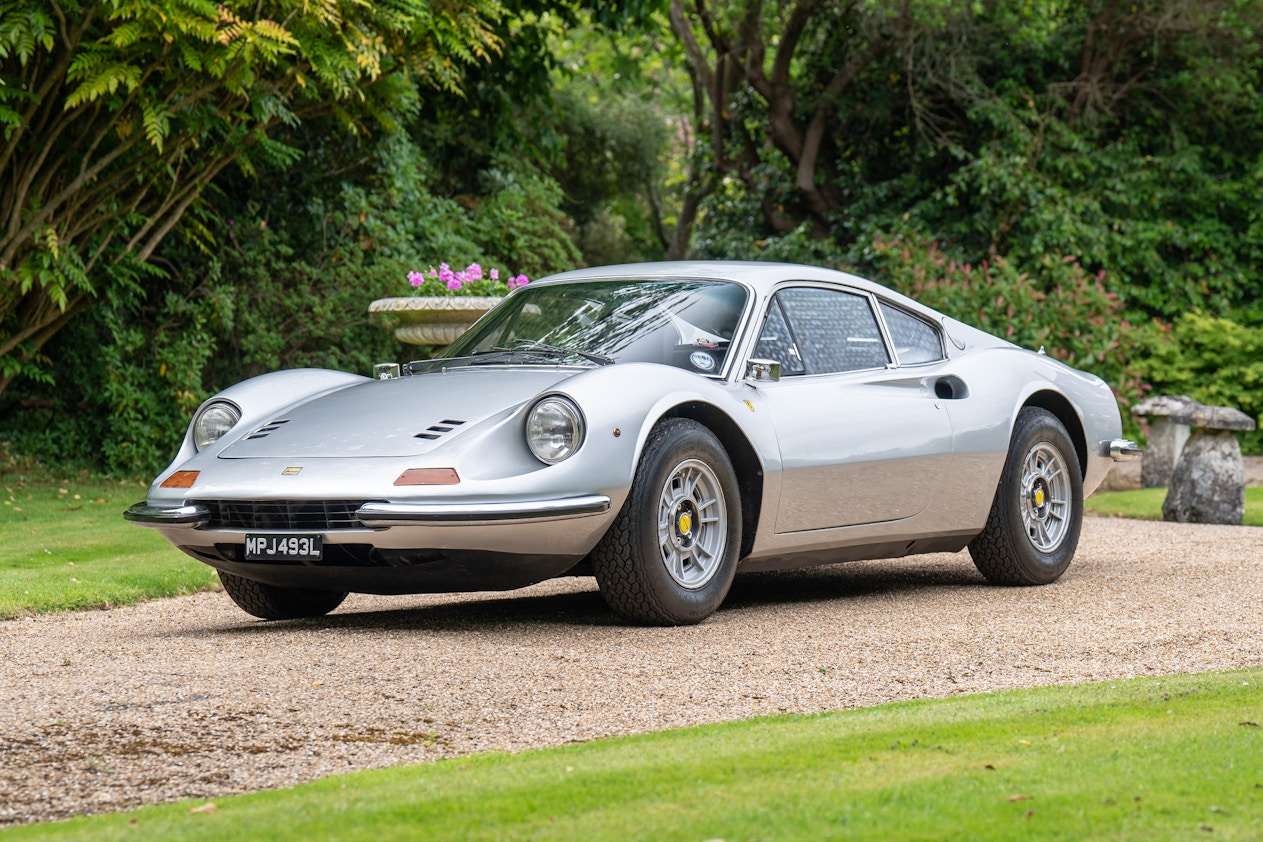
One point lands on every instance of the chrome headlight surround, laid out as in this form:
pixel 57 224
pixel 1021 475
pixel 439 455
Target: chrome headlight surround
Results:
pixel 554 429
pixel 213 422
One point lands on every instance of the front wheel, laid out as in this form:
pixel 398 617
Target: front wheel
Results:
pixel 268 602
pixel 670 556
pixel 1033 528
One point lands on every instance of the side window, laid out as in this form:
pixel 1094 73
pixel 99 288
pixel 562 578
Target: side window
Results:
pixel 834 331
pixel 777 343
pixel 915 341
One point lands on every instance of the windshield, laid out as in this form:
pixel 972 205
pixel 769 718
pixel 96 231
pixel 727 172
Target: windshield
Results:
pixel 684 323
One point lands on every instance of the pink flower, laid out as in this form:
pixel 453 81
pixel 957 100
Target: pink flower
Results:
pixel 519 281
pixel 453 284
pixel 416 278
pixel 495 274
pixel 474 271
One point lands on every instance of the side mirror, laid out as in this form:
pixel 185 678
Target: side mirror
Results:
pixel 763 371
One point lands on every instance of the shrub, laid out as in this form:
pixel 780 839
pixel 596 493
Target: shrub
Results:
pixel 1212 360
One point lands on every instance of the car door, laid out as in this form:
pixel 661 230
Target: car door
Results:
pixel 861 438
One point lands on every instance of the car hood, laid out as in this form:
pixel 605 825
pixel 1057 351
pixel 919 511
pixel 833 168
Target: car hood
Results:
pixel 405 416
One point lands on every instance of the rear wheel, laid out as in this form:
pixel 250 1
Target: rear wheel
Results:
pixel 671 553
pixel 269 602
pixel 1033 528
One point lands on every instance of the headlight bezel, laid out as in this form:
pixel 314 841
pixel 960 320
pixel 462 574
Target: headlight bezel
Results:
pixel 542 437
pixel 215 411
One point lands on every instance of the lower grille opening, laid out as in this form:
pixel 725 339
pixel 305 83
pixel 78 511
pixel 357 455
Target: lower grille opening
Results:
pixel 264 515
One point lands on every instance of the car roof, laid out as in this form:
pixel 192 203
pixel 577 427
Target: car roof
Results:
pixel 761 276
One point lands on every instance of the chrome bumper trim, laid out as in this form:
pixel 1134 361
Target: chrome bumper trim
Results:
pixel 1120 450
pixel 188 516
pixel 398 514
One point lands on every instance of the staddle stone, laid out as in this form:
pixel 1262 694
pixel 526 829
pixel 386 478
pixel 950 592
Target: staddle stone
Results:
pixel 1166 437
pixel 1208 483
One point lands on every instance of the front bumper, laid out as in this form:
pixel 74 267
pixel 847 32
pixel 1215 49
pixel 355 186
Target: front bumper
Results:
pixel 1121 450
pixel 377 515
pixel 397 548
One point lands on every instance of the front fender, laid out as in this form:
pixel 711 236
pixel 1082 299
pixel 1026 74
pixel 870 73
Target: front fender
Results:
pixel 259 399
pixel 623 403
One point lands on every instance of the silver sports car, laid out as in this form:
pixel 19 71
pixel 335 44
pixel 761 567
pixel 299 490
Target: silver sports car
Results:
pixel 661 427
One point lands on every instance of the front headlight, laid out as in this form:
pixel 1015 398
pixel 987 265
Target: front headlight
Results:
pixel 213 422
pixel 554 429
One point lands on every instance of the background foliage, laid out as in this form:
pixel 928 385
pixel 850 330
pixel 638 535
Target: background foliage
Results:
pixel 1078 176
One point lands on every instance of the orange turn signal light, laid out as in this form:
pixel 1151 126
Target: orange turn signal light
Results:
pixel 428 476
pixel 180 479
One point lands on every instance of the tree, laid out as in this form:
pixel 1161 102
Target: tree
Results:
pixel 118 113
pixel 1123 133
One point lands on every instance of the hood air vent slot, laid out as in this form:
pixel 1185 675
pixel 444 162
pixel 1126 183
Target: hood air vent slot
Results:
pixel 437 431
pixel 270 427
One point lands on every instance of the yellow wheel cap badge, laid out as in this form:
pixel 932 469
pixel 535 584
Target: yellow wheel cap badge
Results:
pixel 686 523
pixel 1039 498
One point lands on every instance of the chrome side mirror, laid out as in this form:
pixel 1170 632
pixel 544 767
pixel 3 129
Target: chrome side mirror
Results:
pixel 763 371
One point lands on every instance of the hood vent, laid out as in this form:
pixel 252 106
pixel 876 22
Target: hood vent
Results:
pixel 270 427
pixel 437 431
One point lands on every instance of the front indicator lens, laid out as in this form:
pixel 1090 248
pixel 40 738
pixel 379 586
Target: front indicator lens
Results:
pixel 213 423
pixel 180 479
pixel 554 429
pixel 429 476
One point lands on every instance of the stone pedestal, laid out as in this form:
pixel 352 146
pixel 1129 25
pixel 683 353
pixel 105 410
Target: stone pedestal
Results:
pixel 1208 483
pixel 1166 437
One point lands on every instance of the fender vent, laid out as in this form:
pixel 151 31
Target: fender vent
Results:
pixel 270 427
pixel 437 431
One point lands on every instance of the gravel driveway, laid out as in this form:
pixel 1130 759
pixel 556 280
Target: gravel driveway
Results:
pixel 104 710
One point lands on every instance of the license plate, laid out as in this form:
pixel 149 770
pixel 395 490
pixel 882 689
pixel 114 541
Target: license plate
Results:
pixel 284 547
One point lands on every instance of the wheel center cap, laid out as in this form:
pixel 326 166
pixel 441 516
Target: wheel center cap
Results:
pixel 685 523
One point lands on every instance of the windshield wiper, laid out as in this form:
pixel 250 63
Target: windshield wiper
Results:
pixel 531 346
pixel 520 346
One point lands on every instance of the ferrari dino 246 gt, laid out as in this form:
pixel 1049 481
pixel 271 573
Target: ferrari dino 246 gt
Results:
pixel 661 427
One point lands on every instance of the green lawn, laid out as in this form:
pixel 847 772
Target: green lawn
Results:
pixel 66 546
pixel 1146 503
pixel 1149 759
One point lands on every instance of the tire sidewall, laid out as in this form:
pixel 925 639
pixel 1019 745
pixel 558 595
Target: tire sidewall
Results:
pixel 1034 427
pixel 670 445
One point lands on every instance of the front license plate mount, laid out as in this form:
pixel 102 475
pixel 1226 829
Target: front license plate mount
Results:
pixel 284 547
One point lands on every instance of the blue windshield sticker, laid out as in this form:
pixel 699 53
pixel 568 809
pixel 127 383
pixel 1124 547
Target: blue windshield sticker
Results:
pixel 702 360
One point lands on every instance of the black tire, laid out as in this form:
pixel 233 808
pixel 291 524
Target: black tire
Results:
pixel 1033 528
pixel 670 556
pixel 269 602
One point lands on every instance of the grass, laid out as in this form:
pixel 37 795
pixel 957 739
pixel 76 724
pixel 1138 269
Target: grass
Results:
pixel 1156 758
pixel 67 547
pixel 1146 504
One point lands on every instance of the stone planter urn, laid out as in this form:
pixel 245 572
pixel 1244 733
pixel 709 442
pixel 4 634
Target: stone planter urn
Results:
pixel 432 320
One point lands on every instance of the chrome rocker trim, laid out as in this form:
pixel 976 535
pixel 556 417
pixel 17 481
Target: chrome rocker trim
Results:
pixel 187 516
pixel 399 514
pixel 1121 450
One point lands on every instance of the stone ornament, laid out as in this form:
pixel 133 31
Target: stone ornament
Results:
pixel 1166 437
pixel 1208 482
pixel 432 320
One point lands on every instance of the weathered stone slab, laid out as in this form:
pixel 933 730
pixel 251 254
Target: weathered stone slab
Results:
pixel 1213 418
pixel 1208 483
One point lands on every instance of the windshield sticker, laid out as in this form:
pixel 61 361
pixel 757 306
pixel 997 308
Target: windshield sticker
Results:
pixel 702 360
